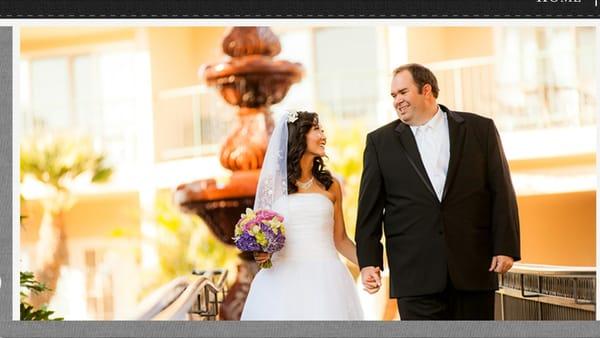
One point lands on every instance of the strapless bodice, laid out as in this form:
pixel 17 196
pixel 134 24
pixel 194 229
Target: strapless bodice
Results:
pixel 309 227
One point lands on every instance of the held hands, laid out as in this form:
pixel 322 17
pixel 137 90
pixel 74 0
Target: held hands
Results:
pixel 261 257
pixel 371 278
pixel 501 264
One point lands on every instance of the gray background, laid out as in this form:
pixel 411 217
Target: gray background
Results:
pixel 5 174
pixel 300 329
pixel 9 328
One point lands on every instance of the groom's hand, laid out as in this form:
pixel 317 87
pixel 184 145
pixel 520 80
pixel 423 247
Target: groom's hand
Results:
pixel 501 264
pixel 371 278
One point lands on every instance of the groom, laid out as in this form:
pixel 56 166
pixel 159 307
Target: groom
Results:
pixel 438 183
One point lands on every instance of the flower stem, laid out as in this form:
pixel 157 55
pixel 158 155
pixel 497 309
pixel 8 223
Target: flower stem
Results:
pixel 266 265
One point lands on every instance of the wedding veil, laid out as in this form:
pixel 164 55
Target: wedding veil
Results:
pixel 272 183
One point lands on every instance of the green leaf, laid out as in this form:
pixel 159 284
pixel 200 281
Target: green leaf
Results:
pixel 27 311
pixel 102 175
pixel 57 160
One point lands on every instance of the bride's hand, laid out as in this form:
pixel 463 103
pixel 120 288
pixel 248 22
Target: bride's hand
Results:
pixel 371 278
pixel 261 257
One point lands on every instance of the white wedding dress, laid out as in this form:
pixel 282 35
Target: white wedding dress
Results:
pixel 308 281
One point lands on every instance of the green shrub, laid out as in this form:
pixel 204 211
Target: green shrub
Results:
pixel 28 312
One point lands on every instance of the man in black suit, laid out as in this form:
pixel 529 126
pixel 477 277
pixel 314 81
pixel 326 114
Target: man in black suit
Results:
pixel 439 182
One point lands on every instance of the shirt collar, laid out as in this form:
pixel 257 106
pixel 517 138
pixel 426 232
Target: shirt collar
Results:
pixel 433 123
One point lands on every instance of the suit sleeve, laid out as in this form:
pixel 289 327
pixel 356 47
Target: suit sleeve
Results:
pixel 369 218
pixel 505 214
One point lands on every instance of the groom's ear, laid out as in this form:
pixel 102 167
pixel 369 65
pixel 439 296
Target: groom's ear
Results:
pixel 426 90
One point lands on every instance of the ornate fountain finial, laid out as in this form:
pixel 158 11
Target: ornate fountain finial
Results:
pixel 243 41
pixel 253 81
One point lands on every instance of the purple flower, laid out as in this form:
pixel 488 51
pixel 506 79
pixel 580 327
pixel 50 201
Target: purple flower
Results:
pixel 247 242
pixel 276 243
pixel 275 240
pixel 249 237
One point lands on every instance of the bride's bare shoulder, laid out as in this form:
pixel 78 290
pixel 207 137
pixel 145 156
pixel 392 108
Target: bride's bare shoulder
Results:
pixel 335 189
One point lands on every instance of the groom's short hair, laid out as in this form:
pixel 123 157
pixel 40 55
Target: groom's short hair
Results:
pixel 421 75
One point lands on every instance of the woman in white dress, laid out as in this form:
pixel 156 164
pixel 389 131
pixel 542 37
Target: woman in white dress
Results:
pixel 307 281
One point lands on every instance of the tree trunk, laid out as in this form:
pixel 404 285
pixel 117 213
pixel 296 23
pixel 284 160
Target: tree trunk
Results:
pixel 51 254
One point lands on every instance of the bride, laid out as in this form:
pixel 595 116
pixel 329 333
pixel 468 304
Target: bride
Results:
pixel 308 281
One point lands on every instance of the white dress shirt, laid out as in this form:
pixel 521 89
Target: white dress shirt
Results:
pixel 433 142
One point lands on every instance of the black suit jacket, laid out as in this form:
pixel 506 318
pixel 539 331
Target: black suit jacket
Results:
pixel 428 240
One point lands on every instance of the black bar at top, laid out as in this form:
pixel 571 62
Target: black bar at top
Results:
pixel 318 9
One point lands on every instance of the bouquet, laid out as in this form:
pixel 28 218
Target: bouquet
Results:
pixel 262 230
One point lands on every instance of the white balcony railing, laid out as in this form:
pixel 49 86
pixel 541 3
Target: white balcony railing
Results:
pixel 465 85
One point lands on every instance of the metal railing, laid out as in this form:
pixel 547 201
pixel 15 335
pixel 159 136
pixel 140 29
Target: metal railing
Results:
pixel 195 297
pixel 160 299
pixel 545 292
pixel 210 299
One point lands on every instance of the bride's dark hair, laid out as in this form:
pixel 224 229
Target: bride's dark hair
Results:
pixel 297 131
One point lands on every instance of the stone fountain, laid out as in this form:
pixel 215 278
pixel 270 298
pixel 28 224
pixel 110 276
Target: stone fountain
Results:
pixel 252 80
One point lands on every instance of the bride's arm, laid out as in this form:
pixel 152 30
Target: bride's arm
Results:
pixel 343 243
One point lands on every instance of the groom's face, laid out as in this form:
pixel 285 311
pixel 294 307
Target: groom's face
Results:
pixel 408 102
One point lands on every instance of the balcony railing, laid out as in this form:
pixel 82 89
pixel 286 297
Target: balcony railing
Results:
pixel 202 119
pixel 199 121
pixel 474 85
pixel 545 292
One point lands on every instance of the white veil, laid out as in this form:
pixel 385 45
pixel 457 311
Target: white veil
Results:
pixel 272 184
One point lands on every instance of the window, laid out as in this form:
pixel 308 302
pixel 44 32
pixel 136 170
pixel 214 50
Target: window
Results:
pixel 545 77
pixel 346 66
pixel 102 94
pixel 199 121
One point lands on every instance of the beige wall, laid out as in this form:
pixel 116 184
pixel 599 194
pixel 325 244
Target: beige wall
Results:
pixel 559 229
pixel 176 55
pixel 40 39
pixel 432 44
pixel 102 215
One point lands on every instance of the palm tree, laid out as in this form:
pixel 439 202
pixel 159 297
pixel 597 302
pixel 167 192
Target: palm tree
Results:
pixel 57 162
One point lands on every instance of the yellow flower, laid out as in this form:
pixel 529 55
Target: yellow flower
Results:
pixel 250 213
pixel 261 239
pixel 245 218
pixel 275 224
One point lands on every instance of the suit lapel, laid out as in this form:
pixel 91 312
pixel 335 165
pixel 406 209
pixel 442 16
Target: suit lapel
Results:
pixel 409 145
pixel 456 129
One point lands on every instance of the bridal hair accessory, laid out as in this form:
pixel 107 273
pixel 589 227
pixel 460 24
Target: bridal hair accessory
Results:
pixel 292 116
